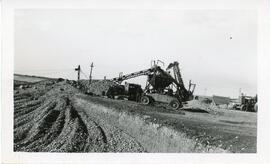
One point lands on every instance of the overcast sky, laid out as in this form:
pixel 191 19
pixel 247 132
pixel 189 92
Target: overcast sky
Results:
pixel 53 42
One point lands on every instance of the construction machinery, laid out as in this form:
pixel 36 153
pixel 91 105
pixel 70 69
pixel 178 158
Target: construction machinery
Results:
pixel 161 86
pixel 247 103
pixel 128 91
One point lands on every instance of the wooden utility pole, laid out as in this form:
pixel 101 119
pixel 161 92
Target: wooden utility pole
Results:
pixel 91 70
pixel 79 71
pixel 240 92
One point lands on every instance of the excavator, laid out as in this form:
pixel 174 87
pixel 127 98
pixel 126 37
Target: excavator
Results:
pixel 163 86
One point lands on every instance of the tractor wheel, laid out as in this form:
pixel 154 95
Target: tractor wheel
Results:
pixel 174 104
pixel 256 107
pixel 145 100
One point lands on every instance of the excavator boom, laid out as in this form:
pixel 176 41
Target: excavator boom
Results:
pixel 121 78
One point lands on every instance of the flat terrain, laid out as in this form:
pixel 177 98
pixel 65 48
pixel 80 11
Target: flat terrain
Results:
pixel 52 116
pixel 27 78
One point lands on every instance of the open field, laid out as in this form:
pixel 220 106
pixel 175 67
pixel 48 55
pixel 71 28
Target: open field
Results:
pixel 51 116
pixel 30 79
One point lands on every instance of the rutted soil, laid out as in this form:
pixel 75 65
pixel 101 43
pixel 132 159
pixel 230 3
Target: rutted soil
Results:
pixel 45 120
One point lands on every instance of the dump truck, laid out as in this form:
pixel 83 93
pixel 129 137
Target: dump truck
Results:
pixel 128 91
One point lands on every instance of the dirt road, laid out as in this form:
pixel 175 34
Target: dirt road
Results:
pixel 56 117
pixel 231 131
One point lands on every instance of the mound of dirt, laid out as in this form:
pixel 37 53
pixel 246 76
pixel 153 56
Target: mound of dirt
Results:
pixel 200 106
pixel 98 87
pixel 45 120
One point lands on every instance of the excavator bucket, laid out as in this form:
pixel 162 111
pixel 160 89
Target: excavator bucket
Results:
pixel 159 82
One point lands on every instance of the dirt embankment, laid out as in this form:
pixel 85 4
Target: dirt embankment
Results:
pixel 45 120
pixel 153 136
pixel 159 129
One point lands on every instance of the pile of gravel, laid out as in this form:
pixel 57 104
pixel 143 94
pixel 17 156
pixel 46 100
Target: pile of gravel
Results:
pixel 99 88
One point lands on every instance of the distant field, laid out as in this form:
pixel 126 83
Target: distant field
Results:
pixel 28 78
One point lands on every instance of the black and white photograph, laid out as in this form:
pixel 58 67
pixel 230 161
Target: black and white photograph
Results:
pixel 133 80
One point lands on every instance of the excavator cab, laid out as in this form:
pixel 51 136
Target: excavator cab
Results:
pixel 133 91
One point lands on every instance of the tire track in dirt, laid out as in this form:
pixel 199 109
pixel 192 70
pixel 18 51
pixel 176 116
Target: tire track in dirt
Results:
pixel 117 140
